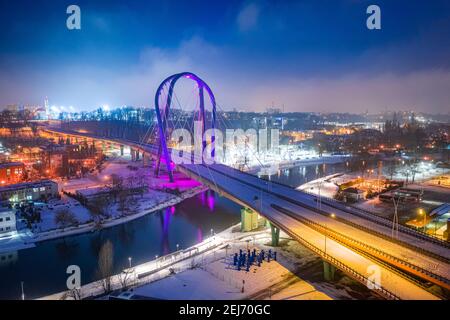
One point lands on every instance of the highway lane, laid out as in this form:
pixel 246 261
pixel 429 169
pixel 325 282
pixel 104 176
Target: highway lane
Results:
pixel 345 212
pixel 390 248
pixel 390 280
pixel 411 259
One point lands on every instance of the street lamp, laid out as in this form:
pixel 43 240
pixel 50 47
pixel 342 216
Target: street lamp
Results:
pixel 422 213
pixel 178 246
pixel 129 261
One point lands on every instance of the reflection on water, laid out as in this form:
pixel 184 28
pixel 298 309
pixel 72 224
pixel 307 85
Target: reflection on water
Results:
pixel 43 268
pixel 297 176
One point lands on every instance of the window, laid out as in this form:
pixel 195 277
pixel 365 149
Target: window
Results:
pixel 1 219
pixel 7 219
pixel 29 197
pixel 42 189
pixel 8 228
pixel 8 172
pixel 35 189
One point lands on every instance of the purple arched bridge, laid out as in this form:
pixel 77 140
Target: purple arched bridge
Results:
pixel 162 114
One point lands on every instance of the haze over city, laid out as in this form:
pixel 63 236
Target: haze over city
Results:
pixel 305 56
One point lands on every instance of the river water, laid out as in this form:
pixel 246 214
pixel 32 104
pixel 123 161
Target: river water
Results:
pixel 43 268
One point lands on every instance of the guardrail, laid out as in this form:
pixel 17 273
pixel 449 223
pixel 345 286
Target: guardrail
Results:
pixel 343 267
pixel 344 239
pixel 366 214
pixel 314 209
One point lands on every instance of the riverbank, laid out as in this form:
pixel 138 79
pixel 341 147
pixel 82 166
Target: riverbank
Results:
pixel 205 271
pixel 26 239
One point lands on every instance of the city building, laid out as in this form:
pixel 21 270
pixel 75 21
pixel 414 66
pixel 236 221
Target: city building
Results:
pixel 7 221
pixel 353 194
pixel 11 172
pixel 29 191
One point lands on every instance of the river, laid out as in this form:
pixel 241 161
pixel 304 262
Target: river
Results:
pixel 43 268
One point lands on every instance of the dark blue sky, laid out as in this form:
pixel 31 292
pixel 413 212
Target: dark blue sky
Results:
pixel 305 55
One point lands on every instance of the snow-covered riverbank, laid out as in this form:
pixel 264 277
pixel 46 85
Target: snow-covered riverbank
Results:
pixel 26 239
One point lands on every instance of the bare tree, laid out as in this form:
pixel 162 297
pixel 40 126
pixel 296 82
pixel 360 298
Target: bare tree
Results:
pixel 99 207
pixel 65 218
pixel 105 265
pixel 116 185
pixel 142 184
pixel 391 170
pixel 125 278
pixel 122 200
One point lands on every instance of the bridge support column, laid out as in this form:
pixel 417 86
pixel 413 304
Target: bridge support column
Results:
pixel 328 271
pixel 133 154
pixel 275 235
pixel 137 155
pixel 103 146
pixel 249 220
pixel 121 149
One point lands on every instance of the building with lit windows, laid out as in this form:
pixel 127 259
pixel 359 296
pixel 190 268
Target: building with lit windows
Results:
pixel 7 221
pixel 11 172
pixel 29 191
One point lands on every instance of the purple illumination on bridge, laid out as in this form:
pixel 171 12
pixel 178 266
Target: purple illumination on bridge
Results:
pixel 162 115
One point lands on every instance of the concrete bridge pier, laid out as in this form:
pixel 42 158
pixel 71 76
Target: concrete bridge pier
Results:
pixel 121 150
pixel 137 155
pixel 328 271
pixel 133 154
pixel 275 235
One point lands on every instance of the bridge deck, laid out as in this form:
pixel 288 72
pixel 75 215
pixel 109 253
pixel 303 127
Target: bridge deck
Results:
pixel 390 280
pixel 410 250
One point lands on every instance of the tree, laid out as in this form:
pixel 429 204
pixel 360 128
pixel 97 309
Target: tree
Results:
pixel 105 265
pixel 123 199
pixel 65 218
pixel 99 207
pixel 116 185
pixel 391 170
pixel 125 278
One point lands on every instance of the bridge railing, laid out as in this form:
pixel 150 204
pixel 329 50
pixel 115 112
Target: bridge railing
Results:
pixel 348 241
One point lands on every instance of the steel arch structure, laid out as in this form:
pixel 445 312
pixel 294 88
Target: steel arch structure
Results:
pixel 162 116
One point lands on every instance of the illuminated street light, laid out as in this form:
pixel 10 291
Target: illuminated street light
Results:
pixel 422 213
pixel 129 261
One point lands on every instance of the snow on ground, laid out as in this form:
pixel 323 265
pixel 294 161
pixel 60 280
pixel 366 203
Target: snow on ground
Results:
pixel 136 205
pixel 325 186
pixel 217 278
pixel 203 272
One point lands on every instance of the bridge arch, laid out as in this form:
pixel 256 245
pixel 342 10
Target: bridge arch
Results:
pixel 162 114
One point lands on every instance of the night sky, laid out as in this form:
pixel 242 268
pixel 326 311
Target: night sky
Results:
pixel 306 55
